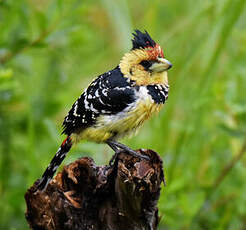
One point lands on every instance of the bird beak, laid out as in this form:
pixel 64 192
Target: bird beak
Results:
pixel 161 65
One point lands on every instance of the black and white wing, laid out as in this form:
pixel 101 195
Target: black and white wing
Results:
pixel 109 94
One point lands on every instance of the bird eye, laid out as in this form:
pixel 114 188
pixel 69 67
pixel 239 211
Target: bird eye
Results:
pixel 146 64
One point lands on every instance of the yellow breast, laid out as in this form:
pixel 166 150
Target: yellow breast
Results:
pixel 124 123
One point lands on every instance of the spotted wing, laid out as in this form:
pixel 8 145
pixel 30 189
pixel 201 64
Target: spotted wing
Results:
pixel 109 94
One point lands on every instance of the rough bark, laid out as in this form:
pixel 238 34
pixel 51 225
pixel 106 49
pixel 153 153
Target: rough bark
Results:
pixel 86 196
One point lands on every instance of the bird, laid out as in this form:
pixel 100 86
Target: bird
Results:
pixel 117 103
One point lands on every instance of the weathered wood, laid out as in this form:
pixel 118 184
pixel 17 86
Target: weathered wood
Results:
pixel 86 196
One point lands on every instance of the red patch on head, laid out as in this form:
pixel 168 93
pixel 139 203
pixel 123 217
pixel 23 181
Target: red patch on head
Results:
pixel 155 52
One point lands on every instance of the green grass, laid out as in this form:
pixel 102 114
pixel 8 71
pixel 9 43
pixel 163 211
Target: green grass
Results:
pixel 51 50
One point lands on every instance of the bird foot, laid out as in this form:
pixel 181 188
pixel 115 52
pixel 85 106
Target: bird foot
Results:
pixel 119 148
pixel 117 152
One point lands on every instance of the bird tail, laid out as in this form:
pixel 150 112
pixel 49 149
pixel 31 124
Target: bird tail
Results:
pixel 55 163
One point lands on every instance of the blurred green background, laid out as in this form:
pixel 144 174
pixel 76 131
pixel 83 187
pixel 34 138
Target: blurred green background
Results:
pixel 51 49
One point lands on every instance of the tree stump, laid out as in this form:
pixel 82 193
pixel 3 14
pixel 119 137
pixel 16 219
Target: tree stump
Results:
pixel 87 196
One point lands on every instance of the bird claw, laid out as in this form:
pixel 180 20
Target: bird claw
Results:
pixel 133 153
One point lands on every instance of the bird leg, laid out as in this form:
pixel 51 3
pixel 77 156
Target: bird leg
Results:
pixel 118 148
pixel 116 152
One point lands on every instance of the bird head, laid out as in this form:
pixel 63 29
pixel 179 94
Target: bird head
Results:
pixel 145 63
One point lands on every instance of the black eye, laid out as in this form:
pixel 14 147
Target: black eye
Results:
pixel 146 64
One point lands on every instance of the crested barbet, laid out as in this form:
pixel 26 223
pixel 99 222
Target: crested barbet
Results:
pixel 117 102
